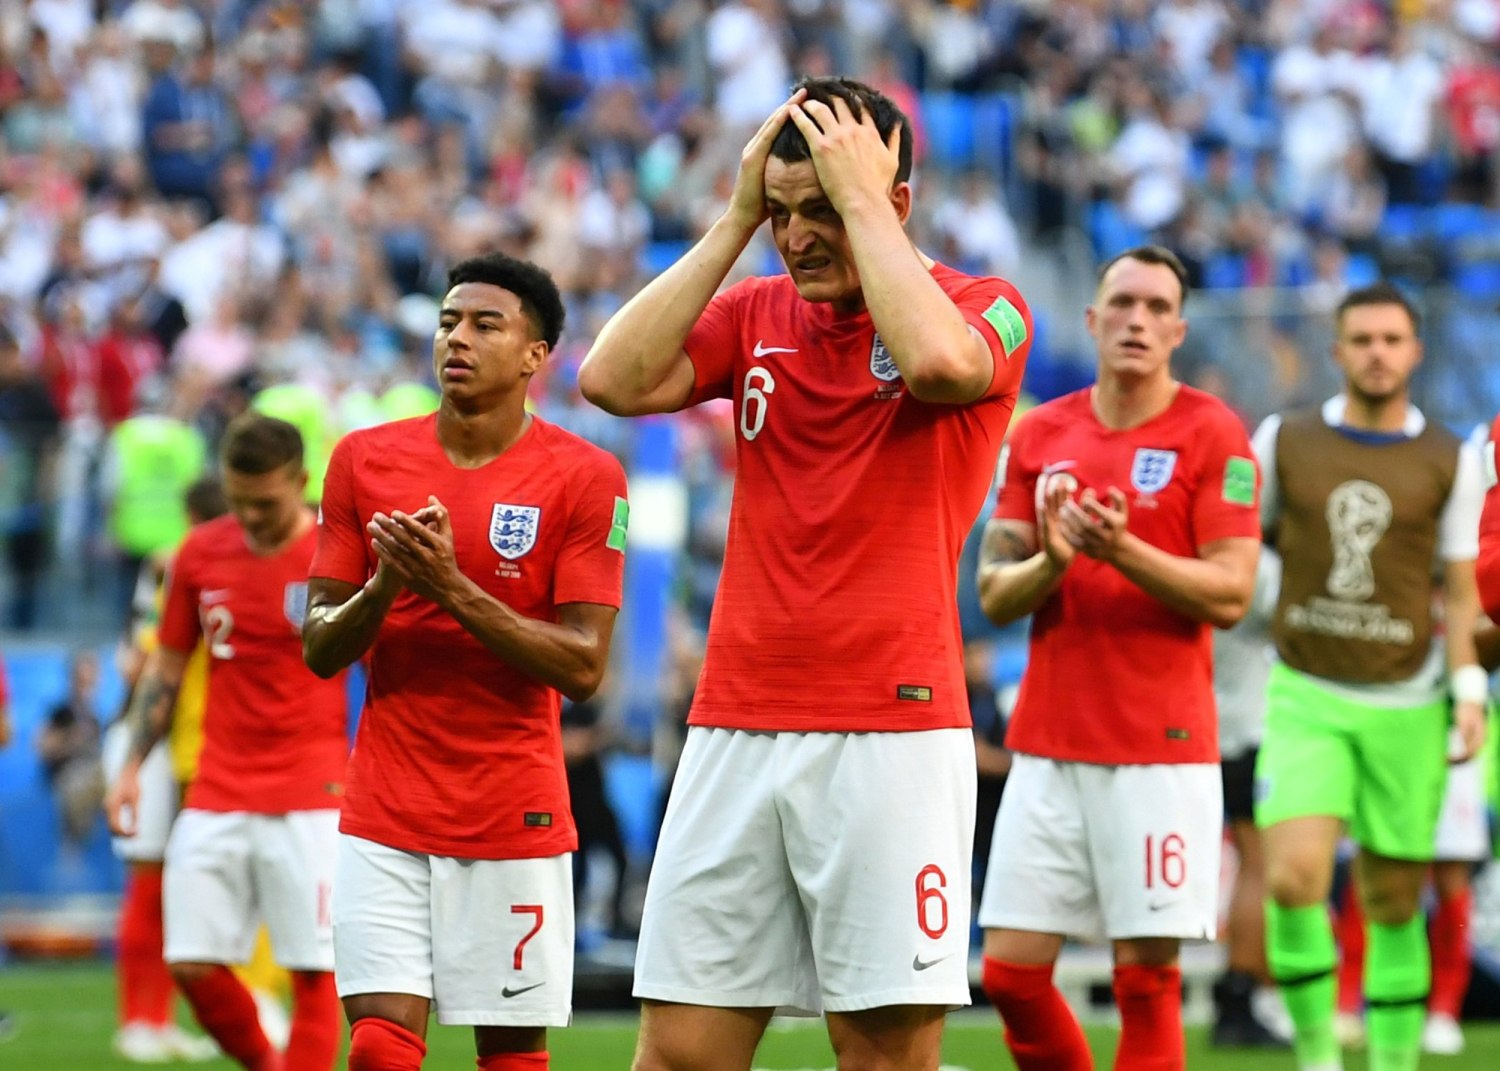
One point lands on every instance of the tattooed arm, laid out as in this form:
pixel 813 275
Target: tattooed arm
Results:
pixel 1019 566
pixel 150 717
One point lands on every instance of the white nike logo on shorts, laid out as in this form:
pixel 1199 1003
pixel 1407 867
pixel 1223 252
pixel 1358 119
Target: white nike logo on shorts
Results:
pixel 761 349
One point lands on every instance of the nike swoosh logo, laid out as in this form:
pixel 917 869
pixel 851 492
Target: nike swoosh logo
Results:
pixel 1159 905
pixel 920 964
pixel 761 349
pixel 508 992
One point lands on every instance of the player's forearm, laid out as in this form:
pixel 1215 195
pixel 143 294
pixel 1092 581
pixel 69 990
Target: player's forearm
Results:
pixel 1208 591
pixel 151 707
pixel 1462 614
pixel 1010 590
pixel 561 657
pixel 925 334
pixel 639 346
pixel 335 636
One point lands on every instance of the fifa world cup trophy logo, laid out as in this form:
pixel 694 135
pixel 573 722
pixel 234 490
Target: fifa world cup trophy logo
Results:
pixel 1359 513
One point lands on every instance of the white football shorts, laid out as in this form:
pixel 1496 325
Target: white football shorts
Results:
pixel 488 941
pixel 158 802
pixel 1098 852
pixel 229 871
pixel 1463 830
pixel 813 871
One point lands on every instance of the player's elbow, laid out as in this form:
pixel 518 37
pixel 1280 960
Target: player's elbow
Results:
pixel 605 388
pixel 944 378
pixel 316 659
pixel 581 686
pixel 1230 611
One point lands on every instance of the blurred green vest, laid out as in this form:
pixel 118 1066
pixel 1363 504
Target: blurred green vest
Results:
pixel 158 459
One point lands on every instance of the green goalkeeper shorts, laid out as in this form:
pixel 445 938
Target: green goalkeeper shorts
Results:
pixel 1380 769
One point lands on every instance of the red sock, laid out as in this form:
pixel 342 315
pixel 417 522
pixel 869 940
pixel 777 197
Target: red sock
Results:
pixel 1450 953
pixel 145 982
pixel 513 1061
pixel 1150 1003
pixel 225 1008
pixel 381 1045
pixel 1349 932
pixel 1040 1029
pixel 314 1042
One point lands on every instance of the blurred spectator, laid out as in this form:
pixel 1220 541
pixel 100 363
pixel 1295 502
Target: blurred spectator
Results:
pixel 1150 159
pixel 747 49
pixel 68 746
pixel 1402 95
pixel 584 744
pixel 976 229
pixel 152 458
pixel 187 121
pixel 1354 202
pixel 29 434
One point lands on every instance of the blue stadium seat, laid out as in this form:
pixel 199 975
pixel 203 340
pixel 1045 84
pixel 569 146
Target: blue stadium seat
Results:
pixel 950 122
pixel 1478 280
pixel 657 257
pixel 1454 221
pixel 1225 271
pixel 1110 231
pixel 1402 223
pixel 1361 270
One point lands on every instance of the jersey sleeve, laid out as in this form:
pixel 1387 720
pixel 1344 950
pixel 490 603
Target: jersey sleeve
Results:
pixel 1226 501
pixel 591 563
pixel 712 343
pixel 1003 319
pixel 341 536
pixel 1263 442
pixel 1458 527
pixel 1017 475
pixel 1488 568
pixel 180 629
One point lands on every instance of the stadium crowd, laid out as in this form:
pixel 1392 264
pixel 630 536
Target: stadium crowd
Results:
pixel 209 207
pixel 198 200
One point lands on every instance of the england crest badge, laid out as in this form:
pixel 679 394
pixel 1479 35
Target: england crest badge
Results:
pixel 513 529
pixel 294 603
pixel 882 365
pixel 1152 470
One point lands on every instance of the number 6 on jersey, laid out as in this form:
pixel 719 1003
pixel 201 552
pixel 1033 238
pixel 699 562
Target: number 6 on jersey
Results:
pixel 759 384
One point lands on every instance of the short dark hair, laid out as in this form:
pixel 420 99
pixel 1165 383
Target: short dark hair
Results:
pixel 539 296
pixel 255 444
pixel 1152 254
pixel 205 500
pixel 791 146
pixel 1383 292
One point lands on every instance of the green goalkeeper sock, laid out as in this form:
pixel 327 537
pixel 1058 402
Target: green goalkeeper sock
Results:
pixel 1398 974
pixel 1299 945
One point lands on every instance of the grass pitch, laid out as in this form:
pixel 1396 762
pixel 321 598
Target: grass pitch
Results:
pixel 65 1016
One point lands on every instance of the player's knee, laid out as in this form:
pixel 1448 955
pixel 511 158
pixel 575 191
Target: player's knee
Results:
pixel 1386 906
pixel 1292 883
pixel 188 974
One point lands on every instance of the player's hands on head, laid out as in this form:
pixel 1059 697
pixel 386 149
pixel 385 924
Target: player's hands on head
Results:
pixel 747 203
pixel 854 164
pixel 1469 719
pixel 122 801
pixel 419 548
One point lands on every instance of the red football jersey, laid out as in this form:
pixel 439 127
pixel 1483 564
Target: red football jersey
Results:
pixel 274 735
pixel 1115 676
pixel 458 753
pixel 836 610
pixel 1488 567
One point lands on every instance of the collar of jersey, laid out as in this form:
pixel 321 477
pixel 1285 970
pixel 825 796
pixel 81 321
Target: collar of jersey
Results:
pixel 1335 408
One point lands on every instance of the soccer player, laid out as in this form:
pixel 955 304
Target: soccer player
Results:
pixel 815 851
pixel 1362 497
pixel 256 838
pixel 1242 662
pixel 476 554
pixel 1126 525
pixel 1488 567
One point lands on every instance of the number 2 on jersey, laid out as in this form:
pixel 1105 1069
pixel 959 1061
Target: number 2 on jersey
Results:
pixel 525 909
pixel 218 623
pixel 759 385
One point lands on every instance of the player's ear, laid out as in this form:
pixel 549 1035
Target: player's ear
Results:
pixel 901 200
pixel 536 356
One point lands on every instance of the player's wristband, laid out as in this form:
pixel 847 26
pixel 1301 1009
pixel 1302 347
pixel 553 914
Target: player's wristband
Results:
pixel 1469 684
